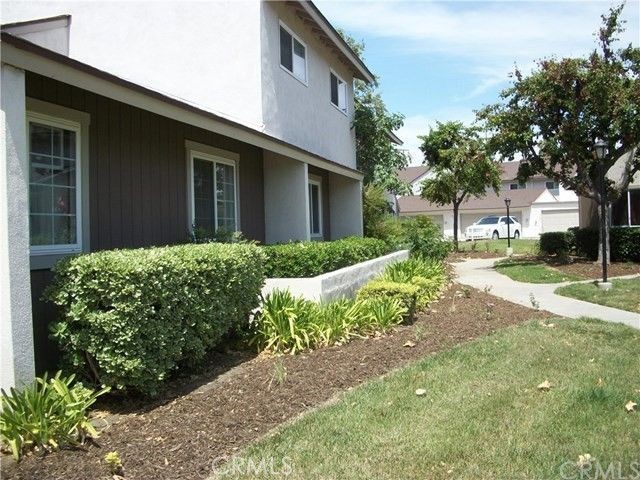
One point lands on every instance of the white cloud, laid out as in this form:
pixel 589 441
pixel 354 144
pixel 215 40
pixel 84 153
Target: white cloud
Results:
pixel 487 38
pixel 419 125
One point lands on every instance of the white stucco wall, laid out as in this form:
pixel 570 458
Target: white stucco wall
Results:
pixel 343 283
pixel 345 206
pixel 205 53
pixel 16 330
pixel 303 114
pixel 286 199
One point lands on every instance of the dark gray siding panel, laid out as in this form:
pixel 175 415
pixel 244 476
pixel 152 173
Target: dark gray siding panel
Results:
pixel 137 184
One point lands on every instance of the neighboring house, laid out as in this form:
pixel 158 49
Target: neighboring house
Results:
pixel 139 120
pixel 625 211
pixel 540 205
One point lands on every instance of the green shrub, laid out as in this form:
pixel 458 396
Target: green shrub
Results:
pixel 308 259
pixel 407 294
pixel 556 243
pixel 425 238
pixel 283 323
pixel 427 274
pixel 624 243
pixel 376 211
pixel 131 317
pixel 335 322
pixel 380 314
pixel 48 414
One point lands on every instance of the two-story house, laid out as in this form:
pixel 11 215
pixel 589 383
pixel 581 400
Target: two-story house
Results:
pixel 126 124
pixel 540 204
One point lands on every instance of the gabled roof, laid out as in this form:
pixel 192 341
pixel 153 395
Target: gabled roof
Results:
pixel 311 15
pixel 519 198
pixel 411 174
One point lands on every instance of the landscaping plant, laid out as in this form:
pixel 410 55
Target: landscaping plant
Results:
pixel 424 238
pixel 426 274
pixel 309 259
pixel 405 293
pixel 129 318
pixel 48 414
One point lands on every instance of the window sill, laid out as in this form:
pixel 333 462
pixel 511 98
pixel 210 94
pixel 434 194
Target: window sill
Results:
pixel 345 113
pixel 303 82
pixel 45 260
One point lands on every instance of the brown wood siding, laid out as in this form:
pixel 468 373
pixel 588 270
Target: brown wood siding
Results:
pixel 137 168
pixel 137 184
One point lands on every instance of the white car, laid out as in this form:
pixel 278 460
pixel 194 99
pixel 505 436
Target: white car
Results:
pixel 493 227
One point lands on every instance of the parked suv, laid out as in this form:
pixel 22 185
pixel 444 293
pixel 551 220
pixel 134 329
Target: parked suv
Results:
pixel 493 227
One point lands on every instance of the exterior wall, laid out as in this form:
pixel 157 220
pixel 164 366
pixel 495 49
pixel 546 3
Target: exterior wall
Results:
pixel 137 183
pixel 178 48
pixel 345 202
pixel 298 113
pixel 338 284
pixel 16 334
pixel 285 184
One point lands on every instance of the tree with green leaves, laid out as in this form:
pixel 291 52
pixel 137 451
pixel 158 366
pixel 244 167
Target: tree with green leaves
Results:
pixel 459 167
pixel 376 155
pixel 553 118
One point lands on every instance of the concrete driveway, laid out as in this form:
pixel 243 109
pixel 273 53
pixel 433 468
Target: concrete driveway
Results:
pixel 479 273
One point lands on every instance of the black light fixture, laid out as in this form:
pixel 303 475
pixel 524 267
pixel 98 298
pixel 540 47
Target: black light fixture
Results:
pixel 600 149
pixel 507 202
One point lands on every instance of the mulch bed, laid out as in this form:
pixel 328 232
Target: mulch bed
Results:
pixel 589 269
pixel 180 436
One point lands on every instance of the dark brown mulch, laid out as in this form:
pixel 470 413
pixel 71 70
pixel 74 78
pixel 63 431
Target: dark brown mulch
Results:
pixel 590 269
pixel 180 438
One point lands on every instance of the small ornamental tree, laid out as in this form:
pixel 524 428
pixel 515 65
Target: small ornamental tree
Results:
pixel 459 167
pixel 552 118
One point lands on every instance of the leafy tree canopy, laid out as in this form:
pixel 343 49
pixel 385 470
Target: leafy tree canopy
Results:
pixel 552 118
pixel 376 155
pixel 459 164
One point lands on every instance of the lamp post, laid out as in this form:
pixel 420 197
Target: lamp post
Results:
pixel 507 202
pixel 600 148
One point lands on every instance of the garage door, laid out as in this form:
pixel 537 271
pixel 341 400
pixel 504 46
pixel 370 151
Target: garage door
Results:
pixel 559 220
pixel 467 219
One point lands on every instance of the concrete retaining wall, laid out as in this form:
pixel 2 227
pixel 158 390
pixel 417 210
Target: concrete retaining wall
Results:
pixel 337 284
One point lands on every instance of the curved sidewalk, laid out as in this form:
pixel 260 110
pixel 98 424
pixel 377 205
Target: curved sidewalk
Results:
pixel 479 273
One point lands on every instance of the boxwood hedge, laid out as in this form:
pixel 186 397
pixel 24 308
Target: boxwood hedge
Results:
pixel 131 317
pixel 625 243
pixel 308 259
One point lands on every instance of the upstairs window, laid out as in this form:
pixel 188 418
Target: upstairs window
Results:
pixel 293 54
pixel 338 92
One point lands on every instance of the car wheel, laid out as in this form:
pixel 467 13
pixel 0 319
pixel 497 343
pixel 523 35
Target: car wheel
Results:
pixel 516 235
pixel 495 235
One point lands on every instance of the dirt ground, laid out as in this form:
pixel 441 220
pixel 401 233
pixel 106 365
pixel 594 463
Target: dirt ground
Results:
pixel 589 269
pixel 241 398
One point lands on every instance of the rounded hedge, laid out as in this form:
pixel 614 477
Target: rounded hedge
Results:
pixel 131 317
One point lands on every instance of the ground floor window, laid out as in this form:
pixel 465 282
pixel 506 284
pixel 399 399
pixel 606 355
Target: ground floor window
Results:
pixel 626 210
pixel 54 184
pixel 315 208
pixel 214 190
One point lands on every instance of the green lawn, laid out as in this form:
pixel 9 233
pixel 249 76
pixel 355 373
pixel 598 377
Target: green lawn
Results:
pixel 530 271
pixel 625 294
pixel 520 246
pixel 482 415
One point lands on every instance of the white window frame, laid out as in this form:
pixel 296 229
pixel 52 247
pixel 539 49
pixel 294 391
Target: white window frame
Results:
pixel 317 182
pixel 226 158
pixel 34 117
pixel 346 93
pixel 627 198
pixel 304 81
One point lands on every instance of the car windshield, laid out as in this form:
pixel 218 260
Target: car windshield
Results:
pixel 487 221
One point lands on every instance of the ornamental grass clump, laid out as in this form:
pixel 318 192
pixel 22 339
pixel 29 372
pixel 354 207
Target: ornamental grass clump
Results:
pixel 46 415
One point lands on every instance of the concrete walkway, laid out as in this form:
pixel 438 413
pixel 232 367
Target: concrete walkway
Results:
pixel 479 273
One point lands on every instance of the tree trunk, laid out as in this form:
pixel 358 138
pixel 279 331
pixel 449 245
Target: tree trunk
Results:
pixel 606 236
pixel 455 225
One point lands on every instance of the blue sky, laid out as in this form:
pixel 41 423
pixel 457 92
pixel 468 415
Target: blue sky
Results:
pixel 442 60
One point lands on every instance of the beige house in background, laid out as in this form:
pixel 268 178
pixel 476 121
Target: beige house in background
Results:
pixel 540 204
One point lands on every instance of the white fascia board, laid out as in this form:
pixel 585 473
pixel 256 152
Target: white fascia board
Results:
pixel 68 74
